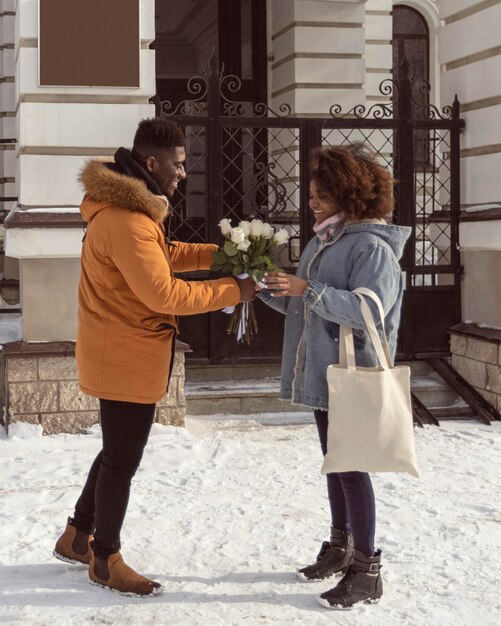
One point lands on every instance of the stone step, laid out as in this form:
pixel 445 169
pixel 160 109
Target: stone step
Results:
pixel 261 395
pixel 236 397
pixel 212 373
pixel 453 412
pixel 203 423
pixel 255 371
pixel 433 391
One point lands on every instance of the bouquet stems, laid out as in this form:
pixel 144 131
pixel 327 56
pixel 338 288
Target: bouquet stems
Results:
pixel 243 322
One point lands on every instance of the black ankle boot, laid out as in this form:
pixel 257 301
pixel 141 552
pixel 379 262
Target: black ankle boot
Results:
pixel 361 583
pixel 334 557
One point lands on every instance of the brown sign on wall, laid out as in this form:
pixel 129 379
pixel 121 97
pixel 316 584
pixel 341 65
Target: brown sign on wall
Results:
pixel 89 43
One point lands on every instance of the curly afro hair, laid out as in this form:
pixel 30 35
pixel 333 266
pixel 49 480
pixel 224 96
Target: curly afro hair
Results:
pixel 157 133
pixel 357 184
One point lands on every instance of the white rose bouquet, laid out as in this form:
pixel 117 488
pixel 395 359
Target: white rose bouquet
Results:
pixel 247 251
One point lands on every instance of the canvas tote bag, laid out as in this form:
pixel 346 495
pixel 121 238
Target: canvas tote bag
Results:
pixel 370 413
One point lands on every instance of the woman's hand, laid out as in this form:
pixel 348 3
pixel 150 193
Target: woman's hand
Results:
pixel 281 284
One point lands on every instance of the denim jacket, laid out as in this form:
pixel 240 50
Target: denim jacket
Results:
pixel 362 254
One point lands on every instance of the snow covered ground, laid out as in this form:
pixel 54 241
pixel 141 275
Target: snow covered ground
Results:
pixel 222 516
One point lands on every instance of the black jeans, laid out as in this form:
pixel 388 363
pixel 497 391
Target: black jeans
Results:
pixel 103 503
pixel 351 498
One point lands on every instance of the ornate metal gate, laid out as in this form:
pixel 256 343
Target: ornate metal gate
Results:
pixel 246 160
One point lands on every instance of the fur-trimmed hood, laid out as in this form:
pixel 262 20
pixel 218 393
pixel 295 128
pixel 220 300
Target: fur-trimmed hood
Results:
pixel 104 187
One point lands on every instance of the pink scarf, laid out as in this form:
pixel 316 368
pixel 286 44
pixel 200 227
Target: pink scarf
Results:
pixel 328 226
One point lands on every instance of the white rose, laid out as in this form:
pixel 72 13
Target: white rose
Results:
pixel 225 226
pixel 244 245
pixel 245 226
pixel 268 231
pixel 237 235
pixel 281 236
pixel 256 228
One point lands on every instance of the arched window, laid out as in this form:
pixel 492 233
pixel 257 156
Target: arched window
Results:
pixel 411 40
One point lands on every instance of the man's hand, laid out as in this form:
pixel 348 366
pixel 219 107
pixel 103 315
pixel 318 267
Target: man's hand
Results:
pixel 247 289
pixel 281 284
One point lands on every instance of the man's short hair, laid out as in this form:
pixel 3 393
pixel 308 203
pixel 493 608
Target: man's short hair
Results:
pixel 157 133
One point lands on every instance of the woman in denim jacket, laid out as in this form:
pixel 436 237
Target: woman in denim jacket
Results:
pixel 354 246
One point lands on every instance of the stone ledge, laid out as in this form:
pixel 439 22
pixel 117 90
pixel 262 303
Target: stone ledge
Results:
pixel 458 344
pixel 29 418
pixel 480 216
pixel 480 350
pixel 493 382
pixel 28 397
pixel 25 349
pixel 170 417
pixel 70 423
pixel 474 330
pixel 492 398
pixel 182 347
pixel 22 370
pixel 43 219
pixel 474 372
pixel 42 388
pixel 444 216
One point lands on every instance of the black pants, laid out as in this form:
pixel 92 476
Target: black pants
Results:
pixel 102 505
pixel 351 498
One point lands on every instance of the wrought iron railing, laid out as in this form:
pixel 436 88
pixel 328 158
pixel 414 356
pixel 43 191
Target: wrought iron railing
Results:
pixel 247 159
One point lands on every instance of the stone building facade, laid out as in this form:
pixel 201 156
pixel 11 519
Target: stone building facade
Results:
pixel 319 52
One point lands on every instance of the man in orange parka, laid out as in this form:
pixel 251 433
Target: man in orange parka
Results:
pixel 128 300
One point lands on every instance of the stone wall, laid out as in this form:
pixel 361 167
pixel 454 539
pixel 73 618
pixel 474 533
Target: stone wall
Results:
pixel 44 390
pixel 476 355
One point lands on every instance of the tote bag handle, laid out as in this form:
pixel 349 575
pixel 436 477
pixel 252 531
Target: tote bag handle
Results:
pixel 381 347
pixel 347 347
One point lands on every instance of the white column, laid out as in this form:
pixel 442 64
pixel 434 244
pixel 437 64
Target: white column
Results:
pixel 7 118
pixel 317 49
pixel 470 57
pixel 378 48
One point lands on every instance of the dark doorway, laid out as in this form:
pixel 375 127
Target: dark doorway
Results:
pixel 188 32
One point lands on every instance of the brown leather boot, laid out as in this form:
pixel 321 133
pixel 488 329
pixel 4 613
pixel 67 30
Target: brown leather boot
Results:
pixel 113 573
pixel 73 546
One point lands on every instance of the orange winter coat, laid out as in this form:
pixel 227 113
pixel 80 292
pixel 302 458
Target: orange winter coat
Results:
pixel 128 295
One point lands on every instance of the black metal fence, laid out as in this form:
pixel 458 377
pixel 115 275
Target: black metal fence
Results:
pixel 245 160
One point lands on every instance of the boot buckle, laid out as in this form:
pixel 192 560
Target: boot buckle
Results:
pixel 374 567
